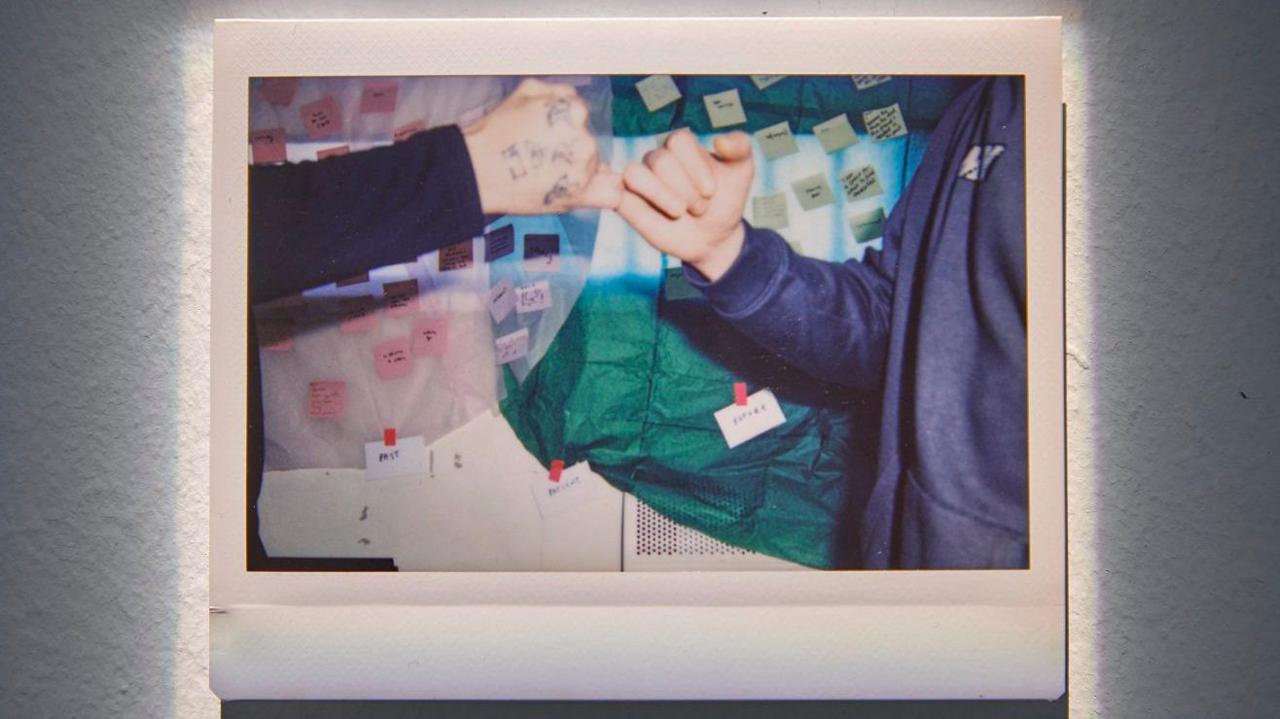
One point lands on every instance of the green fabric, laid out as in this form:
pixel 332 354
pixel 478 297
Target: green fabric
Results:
pixel 630 384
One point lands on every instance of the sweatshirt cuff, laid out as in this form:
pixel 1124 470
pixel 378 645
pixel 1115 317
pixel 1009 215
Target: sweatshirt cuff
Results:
pixel 451 156
pixel 751 279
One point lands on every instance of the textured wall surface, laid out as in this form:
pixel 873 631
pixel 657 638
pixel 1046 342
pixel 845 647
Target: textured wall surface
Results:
pixel 1173 330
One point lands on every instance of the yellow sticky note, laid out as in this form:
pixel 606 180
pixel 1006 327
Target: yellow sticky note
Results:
pixel 836 133
pixel 725 108
pixel 885 123
pixel 860 182
pixel 658 91
pixel 777 141
pixel 813 191
pixel 769 211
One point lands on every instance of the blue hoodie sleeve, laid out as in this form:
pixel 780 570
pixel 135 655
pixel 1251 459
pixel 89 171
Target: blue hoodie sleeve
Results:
pixel 312 223
pixel 829 319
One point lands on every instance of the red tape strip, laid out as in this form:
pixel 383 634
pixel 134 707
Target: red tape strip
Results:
pixel 740 393
pixel 557 466
pixel 389 436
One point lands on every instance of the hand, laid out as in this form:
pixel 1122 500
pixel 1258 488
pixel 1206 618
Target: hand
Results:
pixel 534 154
pixel 688 203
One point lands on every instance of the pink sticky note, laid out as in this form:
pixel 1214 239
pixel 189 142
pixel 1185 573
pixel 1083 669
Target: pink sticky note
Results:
pixel 392 358
pixel 338 151
pixel 379 96
pixel 268 146
pixel 358 316
pixel 401 298
pixel 431 336
pixel 327 399
pixel 404 132
pixel 322 118
pixel 279 90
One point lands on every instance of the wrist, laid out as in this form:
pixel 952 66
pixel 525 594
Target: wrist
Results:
pixel 722 254
pixel 488 177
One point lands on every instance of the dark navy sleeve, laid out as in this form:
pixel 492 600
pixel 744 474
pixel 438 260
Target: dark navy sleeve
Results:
pixel 829 319
pixel 313 223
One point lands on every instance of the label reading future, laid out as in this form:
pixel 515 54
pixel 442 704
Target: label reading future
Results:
pixel 740 423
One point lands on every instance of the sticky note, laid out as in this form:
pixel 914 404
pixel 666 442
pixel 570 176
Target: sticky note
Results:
pixel 864 82
pixel 533 297
pixel 279 90
pixel 777 141
pixel 275 334
pixel 512 347
pixel 400 298
pixel 357 314
pixel 542 253
pixel 658 91
pixel 860 182
pixel 867 225
pixel 740 423
pixel 675 287
pixel 835 134
pixel 724 108
pixel 769 211
pixel 456 257
pixel 502 299
pixel 379 96
pixel 978 160
pixel 404 132
pixel 813 191
pixel 326 399
pixel 885 123
pixel 763 81
pixel 499 242
pixel 406 458
pixel 338 151
pixel 322 118
pixel 431 336
pixel 268 146
pixel 572 490
pixel 392 359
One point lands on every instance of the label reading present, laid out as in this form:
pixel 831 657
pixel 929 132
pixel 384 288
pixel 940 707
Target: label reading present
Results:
pixel 542 253
pixel 763 81
pixel 327 399
pixel 322 118
pixel 572 490
pixel 860 182
pixel 866 82
pixel 392 359
pixel 769 211
pixel 658 91
pixel 431 336
pixel 401 298
pixel 835 134
pixel 499 242
pixel 406 458
pixel 813 191
pixel 740 423
pixel 456 257
pixel 502 299
pixel 533 297
pixel 724 108
pixel 885 123
pixel 509 348
pixel 777 141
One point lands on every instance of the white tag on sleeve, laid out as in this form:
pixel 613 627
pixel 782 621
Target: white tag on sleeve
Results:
pixel 407 457
pixel 739 423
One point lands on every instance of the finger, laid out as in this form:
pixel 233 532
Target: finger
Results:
pixel 696 161
pixel 604 191
pixel 672 173
pixel 647 221
pixel 733 147
pixel 641 180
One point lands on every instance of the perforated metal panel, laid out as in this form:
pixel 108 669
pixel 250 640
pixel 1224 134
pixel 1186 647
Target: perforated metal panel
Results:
pixel 651 542
pixel 658 536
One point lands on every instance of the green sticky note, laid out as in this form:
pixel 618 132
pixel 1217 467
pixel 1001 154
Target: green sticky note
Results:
pixel 777 141
pixel 763 81
pixel 867 225
pixel 769 211
pixel 725 108
pixel 860 182
pixel 885 123
pixel 813 191
pixel 676 287
pixel 836 133
pixel 658 91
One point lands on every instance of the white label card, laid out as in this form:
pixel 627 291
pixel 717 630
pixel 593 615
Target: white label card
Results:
pixel 740 423
pixel 534 297
pixel 512 347
pixel 407 457
pixel 502 299
pixel 864 82
pixel 724 108
pixel 571 491
pixel 658 91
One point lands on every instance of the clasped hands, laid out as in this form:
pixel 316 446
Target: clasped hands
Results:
pixel 535 154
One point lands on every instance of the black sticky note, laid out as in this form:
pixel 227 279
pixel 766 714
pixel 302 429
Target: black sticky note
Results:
pixel 499 243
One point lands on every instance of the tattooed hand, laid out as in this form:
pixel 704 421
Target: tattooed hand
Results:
pixel 535 154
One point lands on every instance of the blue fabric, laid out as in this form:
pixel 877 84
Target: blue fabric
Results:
pixel 937 322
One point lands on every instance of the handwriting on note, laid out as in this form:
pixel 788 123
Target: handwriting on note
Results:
pixel 431 336
pixel 867 226
pixel 866 82
pixel 542 253
pixel 813 191
pixel 400 298
pixel 358 315
pixel 573 490
pixel 512 347
pixel 456 257
pixel 885 123
pixel 322 118
pixel 764 81
pixel 407 458
pixel 502 300
pixel 379 96
pixel 769 211
pixel 658 91
pixel 777 141
pixel 835 134
pixel 860 182
pixel 724 108
pixel 279 90
pixel 740 423
pixel 499 242
pixel 268 146
pixel 404 132
pixel 326 400
pixel 392 359
pixel 533 297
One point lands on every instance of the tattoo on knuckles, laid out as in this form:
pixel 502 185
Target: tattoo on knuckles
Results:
pixel 535 152
pixel 558 112
pixel 515 163
pixel 563 187
pixel 562 153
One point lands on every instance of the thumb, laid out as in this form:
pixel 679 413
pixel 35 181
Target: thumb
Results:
pixel 732 147
pixel 603 191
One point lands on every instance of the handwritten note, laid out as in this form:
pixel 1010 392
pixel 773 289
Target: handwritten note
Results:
pixel 358 316
pixel 456 257
pixel 813 191
pixel 835 134
pixel 777 141
pixel 573 490
pixel 512 347
pixel 499 242
pixel 866 82
pixel 392 359
pixel 279 90
pixel 379 96
pixel 326 400
pixel 322 118
pixel 769 211
pixel 740 423
pixel 542 253
pixel 885 123
pixel 406 458
pixel 431 336
pixel 867 226
pixel 338 151
pixel 502 299
pixel 401 298
pixel 275 334
pixel 268 146
pixel 764 81
pixel 533 297
pixel 675 287
pixel 724 108
pixel 404 132
pixel 860 182
pixel 658 91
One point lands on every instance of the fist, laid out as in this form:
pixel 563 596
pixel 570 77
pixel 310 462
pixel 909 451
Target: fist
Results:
pixel 535 154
